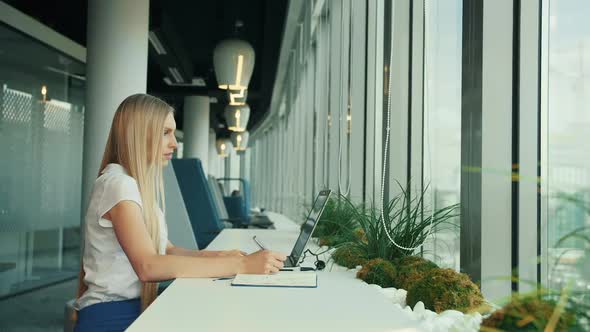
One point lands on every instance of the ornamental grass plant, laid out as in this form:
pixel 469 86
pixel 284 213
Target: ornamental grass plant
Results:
pixel 408 221
pixel 337 221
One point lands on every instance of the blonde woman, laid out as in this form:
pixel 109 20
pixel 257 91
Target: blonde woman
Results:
pixel 126 248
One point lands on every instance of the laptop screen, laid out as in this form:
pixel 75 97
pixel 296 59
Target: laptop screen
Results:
pixel 309 225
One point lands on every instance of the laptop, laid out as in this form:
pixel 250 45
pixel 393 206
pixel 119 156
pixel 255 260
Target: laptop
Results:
pixel 306 230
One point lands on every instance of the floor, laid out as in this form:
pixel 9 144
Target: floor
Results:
pixel 37 311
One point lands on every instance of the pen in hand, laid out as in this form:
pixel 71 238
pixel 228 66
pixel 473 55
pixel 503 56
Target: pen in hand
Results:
pixel 227 278
pixel 258 243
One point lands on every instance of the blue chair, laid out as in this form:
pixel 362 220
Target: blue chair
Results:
pixel 234 206
pixel 198 200
pixel 217 193
pixel 238 207
pixel 180 230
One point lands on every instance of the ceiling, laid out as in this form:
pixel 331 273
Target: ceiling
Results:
pixel 198 26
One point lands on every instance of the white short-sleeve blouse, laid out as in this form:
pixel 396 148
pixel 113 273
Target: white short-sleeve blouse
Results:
pixel 109 274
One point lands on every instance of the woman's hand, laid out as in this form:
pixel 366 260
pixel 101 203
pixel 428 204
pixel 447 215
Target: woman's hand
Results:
pixel 227 253
pixel 262 262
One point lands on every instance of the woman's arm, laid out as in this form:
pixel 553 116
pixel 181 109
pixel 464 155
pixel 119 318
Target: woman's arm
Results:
pixel 149 266
pixel 171 249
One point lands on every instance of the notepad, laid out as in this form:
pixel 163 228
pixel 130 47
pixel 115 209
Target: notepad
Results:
pixel 286 279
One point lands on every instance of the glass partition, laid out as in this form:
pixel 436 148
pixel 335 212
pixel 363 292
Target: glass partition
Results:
pixel 41 135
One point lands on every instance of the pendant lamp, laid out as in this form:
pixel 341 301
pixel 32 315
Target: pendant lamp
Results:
pixel 233 60
pixel 240 140
pixel 237 117
pixel 223 146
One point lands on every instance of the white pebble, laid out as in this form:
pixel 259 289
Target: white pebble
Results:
pixel 376 286
pixel 444 323
pixel 428 314
pixel 419 308
pixel 452 314
pixel 447 321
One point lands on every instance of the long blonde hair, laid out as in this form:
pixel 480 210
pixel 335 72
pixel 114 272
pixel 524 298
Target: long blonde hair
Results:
pixel 135 143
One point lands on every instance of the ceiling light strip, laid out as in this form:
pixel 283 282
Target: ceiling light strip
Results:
pixel 156 43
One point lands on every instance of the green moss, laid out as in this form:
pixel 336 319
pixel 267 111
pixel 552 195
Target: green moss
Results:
pixel 349 256
pixel 445 289
pixel 341 238
pixel 528 314
pixel 378 271
pixel 331 240
pixel 411 269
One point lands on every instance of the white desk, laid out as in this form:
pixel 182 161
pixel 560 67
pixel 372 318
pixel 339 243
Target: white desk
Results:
pixel 340 303
pixel 281 241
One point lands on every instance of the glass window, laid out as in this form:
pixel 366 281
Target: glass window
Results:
pixel 442 121
pixel 567 150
